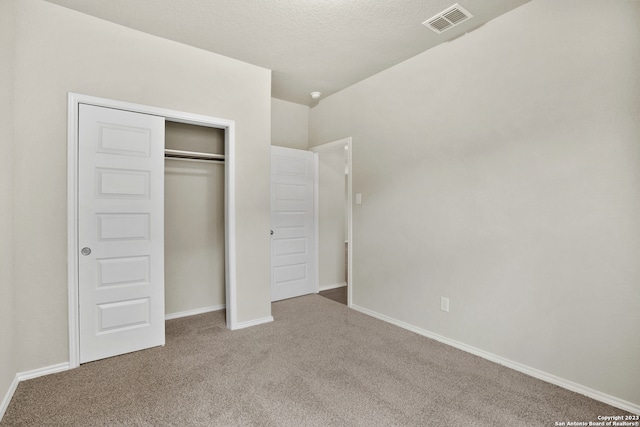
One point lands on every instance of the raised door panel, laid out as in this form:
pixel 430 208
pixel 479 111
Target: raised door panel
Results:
pixel 121 225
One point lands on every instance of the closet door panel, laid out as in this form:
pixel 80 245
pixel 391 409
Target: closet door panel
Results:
pixel 121 232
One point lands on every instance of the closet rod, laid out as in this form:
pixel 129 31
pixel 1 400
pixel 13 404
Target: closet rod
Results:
pixel 193 155
pixel 186 159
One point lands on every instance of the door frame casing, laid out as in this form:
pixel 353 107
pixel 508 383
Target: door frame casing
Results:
pixel 74 100
pixel 340 143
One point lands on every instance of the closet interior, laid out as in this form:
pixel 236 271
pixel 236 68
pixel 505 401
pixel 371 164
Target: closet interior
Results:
pixel 194 219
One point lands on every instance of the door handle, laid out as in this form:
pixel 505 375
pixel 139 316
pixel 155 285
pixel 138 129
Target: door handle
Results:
pixel 85 251
pixel 272 232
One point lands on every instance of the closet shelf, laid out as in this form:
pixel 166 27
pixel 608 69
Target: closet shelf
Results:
pixel 193 155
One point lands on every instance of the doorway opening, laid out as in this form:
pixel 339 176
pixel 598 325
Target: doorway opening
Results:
pixel 194 225
pixel 334 234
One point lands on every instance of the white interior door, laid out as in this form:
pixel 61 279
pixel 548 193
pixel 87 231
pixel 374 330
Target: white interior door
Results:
pixel 120 231
pixel 292 223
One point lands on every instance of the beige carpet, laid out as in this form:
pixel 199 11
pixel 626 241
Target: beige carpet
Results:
pixel 318 364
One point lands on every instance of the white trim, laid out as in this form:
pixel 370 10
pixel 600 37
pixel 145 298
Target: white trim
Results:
pixel 316 218
pixel 28 375
pixel 334 286
pixel 194 312
pixel 255 322
pixel 230 226
pixel 72 230
pixel 533 372
pixel 341 143
pixel 8 396
pixel 74 100
pixel 40 372
pixel 349 221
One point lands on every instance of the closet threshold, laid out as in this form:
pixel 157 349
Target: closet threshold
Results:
pixel 192 155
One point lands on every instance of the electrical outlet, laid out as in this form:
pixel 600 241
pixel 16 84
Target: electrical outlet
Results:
pixel 444 304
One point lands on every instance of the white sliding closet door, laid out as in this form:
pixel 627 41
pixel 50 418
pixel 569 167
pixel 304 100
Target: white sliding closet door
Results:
pixel 120 231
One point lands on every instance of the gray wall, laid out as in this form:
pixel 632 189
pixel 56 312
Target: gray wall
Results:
pixel 8 365
pixel 194 246
pixel 501 170
pixel 60 51
pixel 332 217
pixel 289 124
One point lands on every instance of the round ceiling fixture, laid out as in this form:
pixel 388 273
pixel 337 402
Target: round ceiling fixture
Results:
pixel 315 95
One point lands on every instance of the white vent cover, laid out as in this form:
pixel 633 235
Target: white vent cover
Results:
pixel 447 19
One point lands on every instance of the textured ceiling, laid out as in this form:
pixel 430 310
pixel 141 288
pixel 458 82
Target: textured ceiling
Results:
pixel 311 45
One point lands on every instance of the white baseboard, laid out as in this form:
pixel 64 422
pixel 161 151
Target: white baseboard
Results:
pixel 23 376
pixel 334 286
pixel 8 396
pixel 194 312
pixel 533 372
pixel 47 370
pixel 255 322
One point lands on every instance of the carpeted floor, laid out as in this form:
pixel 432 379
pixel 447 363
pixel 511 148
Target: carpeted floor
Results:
pixel 318 364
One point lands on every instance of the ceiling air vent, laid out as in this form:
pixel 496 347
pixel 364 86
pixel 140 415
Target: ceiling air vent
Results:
pixel 448 18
